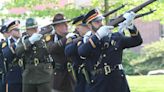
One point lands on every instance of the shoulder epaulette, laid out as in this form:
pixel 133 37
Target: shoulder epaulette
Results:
pixel 4 44
pixel 78 43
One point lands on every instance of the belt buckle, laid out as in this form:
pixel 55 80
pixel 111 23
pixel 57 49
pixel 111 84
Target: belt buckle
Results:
pixel 20 63
pixel 36 61
pixel 107 69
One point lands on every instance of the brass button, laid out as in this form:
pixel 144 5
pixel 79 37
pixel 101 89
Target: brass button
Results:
pixel 104 55
pixel 34 48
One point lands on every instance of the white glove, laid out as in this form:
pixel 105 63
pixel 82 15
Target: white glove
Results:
pixel 122 26
pixel 103 31
pixel 35 37
pixel 129 17
pixel 70 35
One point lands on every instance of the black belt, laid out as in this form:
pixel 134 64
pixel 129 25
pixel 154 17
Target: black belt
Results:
pixel 36 61
pixel 107 69
pixel 60 67
pixel 16 62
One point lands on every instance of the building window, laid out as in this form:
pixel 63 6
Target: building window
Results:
pixel 162 31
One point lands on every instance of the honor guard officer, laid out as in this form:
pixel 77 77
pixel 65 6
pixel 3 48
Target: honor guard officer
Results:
pixel 2 63
pixel 13 63
pixel 63 82
pixel 71 51
pixel 38 70
pixel 106 71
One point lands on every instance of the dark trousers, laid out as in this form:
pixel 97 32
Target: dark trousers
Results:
pixel 2 86
pixel 14 87
pixel 43 87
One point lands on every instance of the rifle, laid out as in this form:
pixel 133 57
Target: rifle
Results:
pixel 113 11
pixel 139 15
pixel 144 14
pixel 47 29
pixel 120 19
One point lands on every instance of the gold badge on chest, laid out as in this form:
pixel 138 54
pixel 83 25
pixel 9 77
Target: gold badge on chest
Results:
pixel 113 42
pixel 47 38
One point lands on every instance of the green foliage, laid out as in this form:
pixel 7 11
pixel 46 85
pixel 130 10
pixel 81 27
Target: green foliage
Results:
pixel 151 58
pixel 27 3
pixel 146 83
pixel 128 57
pixel 73 11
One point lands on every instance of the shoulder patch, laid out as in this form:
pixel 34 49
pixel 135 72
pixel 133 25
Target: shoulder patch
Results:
pixel 47 38
pixel 69 40
pixel 4 44
pixel 79 42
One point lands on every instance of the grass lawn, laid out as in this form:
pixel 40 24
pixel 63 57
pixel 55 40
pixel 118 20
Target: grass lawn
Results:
pixel 154 83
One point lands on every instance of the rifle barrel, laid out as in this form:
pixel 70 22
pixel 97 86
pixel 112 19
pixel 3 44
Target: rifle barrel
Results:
pixel 143 14
pixel 136 9
pixel 113 11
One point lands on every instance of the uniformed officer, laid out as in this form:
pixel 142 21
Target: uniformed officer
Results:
pixel 38 69
pixel 2 63
pixel 14 70
pixel 71 51
pixel 103 52
pixel 63 82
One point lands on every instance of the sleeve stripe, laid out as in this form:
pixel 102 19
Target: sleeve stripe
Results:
pixel 92 43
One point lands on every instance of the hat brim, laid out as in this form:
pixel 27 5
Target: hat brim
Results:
pixel 60 21
pixel 32 27
pixel 98 18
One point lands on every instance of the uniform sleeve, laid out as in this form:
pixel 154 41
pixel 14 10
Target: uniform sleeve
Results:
pixel 70 49
pixel 22 46
pixel 85 49
pixel 56 47
pixel 134 40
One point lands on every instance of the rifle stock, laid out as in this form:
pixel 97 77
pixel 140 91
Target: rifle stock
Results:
pixel 120 19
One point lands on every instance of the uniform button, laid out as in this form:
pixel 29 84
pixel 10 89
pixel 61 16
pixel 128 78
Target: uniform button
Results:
pixel 34 48
pixel 105 63
pixel 104 55
pixel 55 73
pixel 5 59
pixel 115 48
pixel 44 46
pixel 34 51
pixel 11 69
pixel 92 81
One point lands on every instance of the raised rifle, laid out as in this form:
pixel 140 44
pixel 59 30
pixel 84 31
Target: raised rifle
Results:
pixel 144 14
pixel 113 11
pixel 140 15
pixel 120 19
pixel 48 28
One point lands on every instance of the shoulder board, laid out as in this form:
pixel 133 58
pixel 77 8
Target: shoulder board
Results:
pixel 69 40
pixel 4 44
pixel 78 43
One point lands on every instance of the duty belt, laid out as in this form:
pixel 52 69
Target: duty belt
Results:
pixel 60 67
pixel 15 62
pixel 107 69
pixel 36 61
